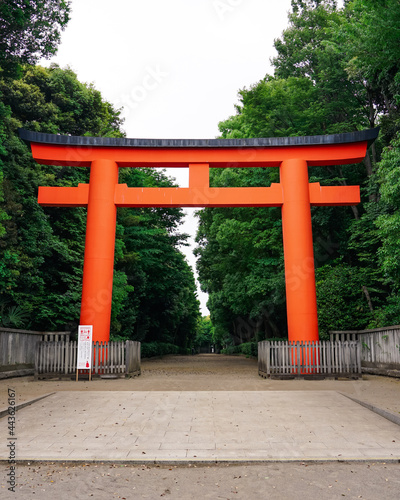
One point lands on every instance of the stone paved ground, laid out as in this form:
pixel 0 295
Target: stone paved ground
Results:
pixel 177 426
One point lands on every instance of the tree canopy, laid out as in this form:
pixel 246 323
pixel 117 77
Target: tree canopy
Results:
pixel 30 30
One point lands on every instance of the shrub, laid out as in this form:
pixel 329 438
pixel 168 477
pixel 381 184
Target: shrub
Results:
pixel 152 349
pixel 230 350
pixel 247 348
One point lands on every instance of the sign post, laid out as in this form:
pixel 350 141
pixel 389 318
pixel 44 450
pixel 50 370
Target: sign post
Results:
pixel 84 358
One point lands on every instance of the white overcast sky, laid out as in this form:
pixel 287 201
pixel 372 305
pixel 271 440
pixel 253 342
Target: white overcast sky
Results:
pixel 175 66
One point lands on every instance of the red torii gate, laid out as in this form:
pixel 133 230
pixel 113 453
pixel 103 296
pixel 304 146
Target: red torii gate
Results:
pixel 294 194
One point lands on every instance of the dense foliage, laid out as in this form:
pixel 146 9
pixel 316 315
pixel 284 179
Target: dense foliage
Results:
pixel 41 249
pixel 336 70
pixel 205 336
pixel 30 30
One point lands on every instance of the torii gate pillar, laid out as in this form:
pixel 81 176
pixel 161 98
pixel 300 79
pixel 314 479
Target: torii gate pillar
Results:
pixel 98 265
pixel 294 194
pixel 301 298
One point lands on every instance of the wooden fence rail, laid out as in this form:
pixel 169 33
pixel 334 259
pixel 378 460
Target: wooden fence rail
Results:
pixel 299 359
pixel 380 348
pixel 19 346
pixel 109 358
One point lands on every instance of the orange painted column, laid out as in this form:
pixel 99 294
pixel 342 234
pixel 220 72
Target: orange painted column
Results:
pixel 301 300
pixel 98 263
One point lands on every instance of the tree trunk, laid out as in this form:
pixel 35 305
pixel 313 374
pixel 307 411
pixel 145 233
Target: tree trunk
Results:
pixel 368 164
pixel 367 296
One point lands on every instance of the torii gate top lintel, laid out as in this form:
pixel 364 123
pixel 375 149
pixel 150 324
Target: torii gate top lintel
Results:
pixel 294 194
pixel 317 150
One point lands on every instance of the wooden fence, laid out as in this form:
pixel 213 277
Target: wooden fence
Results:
pixel 380 348
pixel 330 359
pixel 18 347
pixel 110 358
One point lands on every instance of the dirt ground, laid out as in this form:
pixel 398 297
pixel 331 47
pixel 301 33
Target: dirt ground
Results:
pixel 272 481
pixel 290 480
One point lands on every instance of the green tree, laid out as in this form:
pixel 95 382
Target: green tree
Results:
pixel 275 107
pixel 370 38
pixel 308 49
pixel 342 304
pixel 42 250
pixel 388 222
pixel 30 30
pixel 205 333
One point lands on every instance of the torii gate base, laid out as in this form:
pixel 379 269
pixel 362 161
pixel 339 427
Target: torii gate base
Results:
pixel 293 194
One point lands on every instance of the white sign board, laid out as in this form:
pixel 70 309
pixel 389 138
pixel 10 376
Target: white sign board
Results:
pixel 84 361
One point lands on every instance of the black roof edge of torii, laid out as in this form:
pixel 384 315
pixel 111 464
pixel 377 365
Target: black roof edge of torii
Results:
pixel 368 135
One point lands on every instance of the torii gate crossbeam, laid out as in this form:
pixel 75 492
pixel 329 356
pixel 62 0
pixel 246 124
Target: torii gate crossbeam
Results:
pixel 294 194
